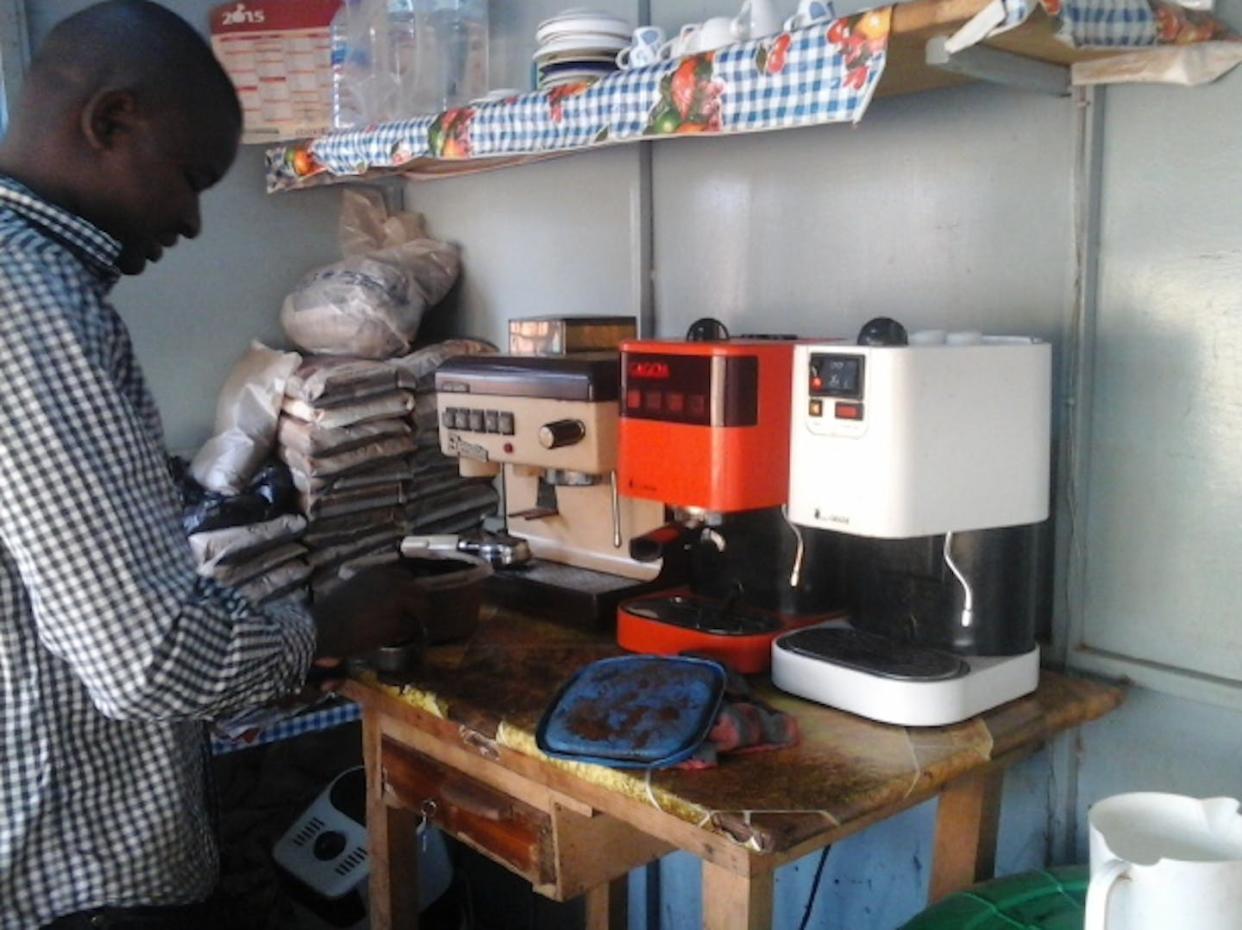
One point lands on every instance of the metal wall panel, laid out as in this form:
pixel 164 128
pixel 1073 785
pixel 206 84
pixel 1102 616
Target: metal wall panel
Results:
pixel 1164 500
pixel 945 210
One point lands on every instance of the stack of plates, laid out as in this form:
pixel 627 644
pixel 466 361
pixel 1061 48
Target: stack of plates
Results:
pixel 579 45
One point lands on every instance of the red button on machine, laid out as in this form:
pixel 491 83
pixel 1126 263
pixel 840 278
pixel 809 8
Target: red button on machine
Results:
pixel 633 398
pixel 849 411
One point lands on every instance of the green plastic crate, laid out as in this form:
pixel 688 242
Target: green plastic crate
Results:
pixel 1052 899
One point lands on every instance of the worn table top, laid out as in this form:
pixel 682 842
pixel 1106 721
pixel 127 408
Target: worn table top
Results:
pixel 844 768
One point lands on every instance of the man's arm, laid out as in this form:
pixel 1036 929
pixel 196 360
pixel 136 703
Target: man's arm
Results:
pixel 90 515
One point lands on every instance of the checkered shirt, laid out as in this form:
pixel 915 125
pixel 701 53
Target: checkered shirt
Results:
pixel 112 651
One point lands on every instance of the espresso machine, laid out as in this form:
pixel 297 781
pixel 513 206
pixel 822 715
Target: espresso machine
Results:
pixel 930 454
pixel 548 425
pixel 705 431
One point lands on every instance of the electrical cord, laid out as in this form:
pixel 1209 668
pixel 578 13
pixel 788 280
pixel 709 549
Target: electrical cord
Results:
pixel 810 901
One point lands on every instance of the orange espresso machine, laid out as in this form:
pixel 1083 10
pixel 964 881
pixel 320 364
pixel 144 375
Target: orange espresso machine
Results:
pixel 705 430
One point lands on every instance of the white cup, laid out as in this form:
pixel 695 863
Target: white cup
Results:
pixel 809 13
pixel 644 48
pixel 710 34
pixel 927 337
pixel 676 46
pixel 757 18
pixel 964 337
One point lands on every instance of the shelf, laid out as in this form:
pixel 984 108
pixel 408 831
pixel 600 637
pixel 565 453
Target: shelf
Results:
pixel 823 74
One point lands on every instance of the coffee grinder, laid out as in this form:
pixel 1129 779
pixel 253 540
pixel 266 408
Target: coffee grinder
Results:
pixel 705 431
pixel 549 423
pixel 930 454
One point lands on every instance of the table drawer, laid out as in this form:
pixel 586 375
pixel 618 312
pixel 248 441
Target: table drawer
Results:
pixel 495 823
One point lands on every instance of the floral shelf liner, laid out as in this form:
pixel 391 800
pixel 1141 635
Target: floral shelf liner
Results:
pixel 824 73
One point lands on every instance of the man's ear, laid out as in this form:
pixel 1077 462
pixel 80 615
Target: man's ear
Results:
pixel 108 115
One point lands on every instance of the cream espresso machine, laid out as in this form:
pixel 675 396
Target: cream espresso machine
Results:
pixel 548 424
pixel 932 454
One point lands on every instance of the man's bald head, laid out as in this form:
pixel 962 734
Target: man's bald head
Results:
pixel 125 118
pixel 134 45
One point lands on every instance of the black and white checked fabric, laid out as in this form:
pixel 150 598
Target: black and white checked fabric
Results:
pixel 1092 23
pixel 112 650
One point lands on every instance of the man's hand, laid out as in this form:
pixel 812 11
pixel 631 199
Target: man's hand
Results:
pixel 379 606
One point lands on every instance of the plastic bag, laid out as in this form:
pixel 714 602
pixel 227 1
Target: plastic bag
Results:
pixel 246 415
pixel 370 303
pixel 269 494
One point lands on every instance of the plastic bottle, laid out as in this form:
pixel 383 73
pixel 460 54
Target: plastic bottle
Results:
pixel 405 57
pixel 453 69
pixel 346 113
pixel 363 83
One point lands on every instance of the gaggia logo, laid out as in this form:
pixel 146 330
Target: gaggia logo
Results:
pixel 654 370
pixel 239 16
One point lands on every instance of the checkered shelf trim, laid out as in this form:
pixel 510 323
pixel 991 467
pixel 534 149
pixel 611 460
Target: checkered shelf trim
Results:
pixel 1114 24
pixel 313 721
pixel 826 73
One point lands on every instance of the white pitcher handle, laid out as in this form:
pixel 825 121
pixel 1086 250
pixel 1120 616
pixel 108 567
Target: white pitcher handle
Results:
pixel 1099 889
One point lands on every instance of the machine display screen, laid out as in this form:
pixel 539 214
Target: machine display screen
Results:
pixel 835 376
pixel 682 389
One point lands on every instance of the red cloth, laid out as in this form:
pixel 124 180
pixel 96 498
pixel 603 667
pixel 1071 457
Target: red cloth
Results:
pixel 743 724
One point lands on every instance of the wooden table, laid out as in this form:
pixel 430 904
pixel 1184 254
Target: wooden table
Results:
pixel 456 745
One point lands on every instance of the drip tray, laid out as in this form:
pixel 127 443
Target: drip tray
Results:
pixel 690 613
pixel 874 655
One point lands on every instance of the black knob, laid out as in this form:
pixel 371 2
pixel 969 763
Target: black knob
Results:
pixel 561 433
pixel 883 331
pixel 707 329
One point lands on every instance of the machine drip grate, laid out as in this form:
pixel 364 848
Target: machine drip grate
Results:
pixel 874 655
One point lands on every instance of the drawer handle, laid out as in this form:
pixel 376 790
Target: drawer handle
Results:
pixel 485 747
pixel 477 801
pixel 428 810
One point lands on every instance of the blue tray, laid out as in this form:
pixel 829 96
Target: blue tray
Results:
pixel 634 712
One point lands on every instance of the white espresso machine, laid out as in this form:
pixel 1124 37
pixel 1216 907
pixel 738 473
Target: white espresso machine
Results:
pixel 932 452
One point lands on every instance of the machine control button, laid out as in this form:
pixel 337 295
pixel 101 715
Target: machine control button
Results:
pixel 461 419
pixel 849 411
pixel 448 419
pixel 491 421
pixel 505 422
pixel 816 408
pixel 561 433
pixel 476 421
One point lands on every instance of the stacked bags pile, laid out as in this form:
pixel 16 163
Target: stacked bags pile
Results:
pixel 352 424
pixel 361 440
pixel 240 513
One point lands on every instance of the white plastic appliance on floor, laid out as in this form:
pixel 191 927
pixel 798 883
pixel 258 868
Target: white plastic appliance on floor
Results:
pixel 326 847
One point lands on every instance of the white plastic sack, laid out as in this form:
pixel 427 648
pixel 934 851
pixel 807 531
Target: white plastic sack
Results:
pixel 246 415
pixel 370 303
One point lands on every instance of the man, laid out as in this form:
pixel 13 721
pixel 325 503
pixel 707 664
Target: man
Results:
pixel 112 650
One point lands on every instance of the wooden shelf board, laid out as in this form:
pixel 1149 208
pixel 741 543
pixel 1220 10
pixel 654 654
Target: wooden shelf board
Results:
pixel 906 72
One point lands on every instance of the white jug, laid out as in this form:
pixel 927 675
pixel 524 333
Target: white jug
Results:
pixel 1165 862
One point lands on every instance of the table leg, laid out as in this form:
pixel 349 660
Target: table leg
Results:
pixel 966 826
pixel 736 902
pixel 608 905
pixel 392 834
